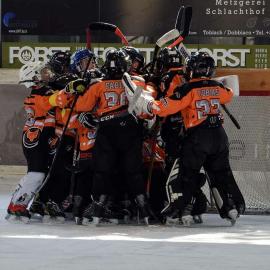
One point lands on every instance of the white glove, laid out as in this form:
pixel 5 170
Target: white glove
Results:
pixel 130 87
pixel 143 104
pixel 140 100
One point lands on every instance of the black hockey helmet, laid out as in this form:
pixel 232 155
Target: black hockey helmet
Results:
pixel 117 62
pixel 200 64
pixel 59 62
pixel 135 56
pixel 168 58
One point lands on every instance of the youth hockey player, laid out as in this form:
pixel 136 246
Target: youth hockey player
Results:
pixel 37 131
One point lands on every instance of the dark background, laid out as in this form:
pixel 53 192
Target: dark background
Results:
pixel 134 17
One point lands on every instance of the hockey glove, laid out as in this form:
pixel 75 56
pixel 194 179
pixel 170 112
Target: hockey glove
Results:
pixel 77 86
pixel 88 120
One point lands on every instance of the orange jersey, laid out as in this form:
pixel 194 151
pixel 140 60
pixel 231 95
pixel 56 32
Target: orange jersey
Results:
pixel 106 96
pixel 196 100
pixel 37 109
pixel 172 80
pixel 86 136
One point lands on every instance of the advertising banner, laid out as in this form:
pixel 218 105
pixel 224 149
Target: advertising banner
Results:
pixel 228 56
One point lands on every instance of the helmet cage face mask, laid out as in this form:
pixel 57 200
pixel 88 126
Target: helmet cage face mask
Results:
pixel 37 73
pixel 59 62
pixel 117 62
pixel 136 58
pixel 168 58
pixel 200 64
pixel 80 61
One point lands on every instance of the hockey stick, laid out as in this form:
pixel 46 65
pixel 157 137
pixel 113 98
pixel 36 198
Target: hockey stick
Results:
pixel 108 27
pixel 88 38
pixel 155 130
pixel 231 116
pixel 74 170
pixel 172 34
pixel 187 21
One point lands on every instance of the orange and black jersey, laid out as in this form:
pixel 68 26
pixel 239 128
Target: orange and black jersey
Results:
pixel 196 100
pixel 106 96
pixel 37 101
pixel 171 80
pixel 37 108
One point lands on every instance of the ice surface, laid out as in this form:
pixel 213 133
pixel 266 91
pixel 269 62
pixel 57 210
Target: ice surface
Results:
pixel 212 245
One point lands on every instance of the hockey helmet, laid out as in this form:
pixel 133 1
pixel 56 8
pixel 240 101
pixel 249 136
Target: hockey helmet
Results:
pixel 82 60
pixel 136 57
pixel 168 58
pixel 34 74
pixel 117 62
pixel 59 62
pixel 200 64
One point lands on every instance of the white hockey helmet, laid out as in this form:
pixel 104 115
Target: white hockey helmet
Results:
pixel 32 74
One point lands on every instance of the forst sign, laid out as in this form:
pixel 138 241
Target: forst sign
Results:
pixel 27 54
pixel 21 55
pixel 227 57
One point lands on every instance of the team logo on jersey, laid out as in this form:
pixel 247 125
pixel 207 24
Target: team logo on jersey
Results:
pixel 31 137
pixel 30 117
pixel 91 134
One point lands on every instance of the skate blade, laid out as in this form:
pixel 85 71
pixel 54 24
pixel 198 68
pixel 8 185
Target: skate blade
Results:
pixel 187 220
pixel 78 220
pixel 172 221
pixel 53 220
pixel 233 215
pixel 36 217
pixel 12 218
pixel 101 222
pixel 86 221
pixel 197 219
pixel 17 219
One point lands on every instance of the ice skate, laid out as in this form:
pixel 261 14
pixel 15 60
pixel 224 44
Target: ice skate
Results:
pixel 18 213
pixel 197 219
pixel 94 214
pixel 232 216
pixel 87 216
pixel 143 211
pixel 76 210
pixel 187 220
pixel 53 213
pixel 37 210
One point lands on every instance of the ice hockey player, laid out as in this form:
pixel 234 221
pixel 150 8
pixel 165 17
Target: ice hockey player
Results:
pixel 37 131
pixel 171 71
pixel 83 63
pixel 137 60
pixel 206 143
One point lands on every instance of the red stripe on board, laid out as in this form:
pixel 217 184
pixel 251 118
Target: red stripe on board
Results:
pixel 255 93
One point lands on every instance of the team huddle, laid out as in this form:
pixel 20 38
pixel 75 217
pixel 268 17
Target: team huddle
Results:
pixel 123 143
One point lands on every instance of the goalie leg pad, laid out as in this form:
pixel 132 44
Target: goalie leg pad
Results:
pixel 27 187
pixel 226 192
